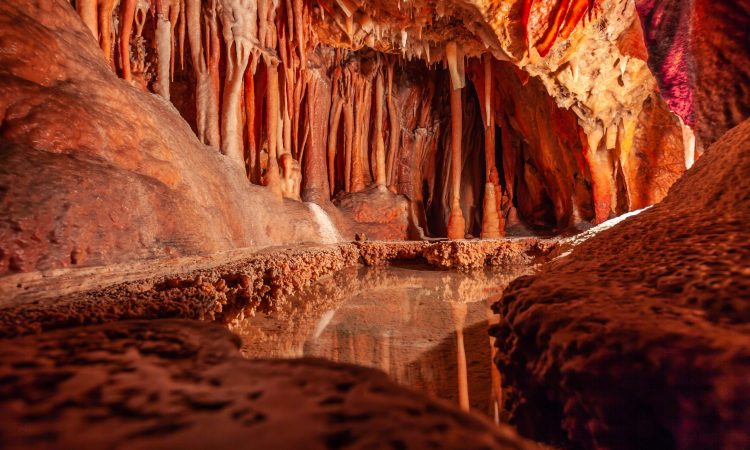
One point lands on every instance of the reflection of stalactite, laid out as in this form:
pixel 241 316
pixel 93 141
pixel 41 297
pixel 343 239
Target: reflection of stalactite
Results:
pixel 459 311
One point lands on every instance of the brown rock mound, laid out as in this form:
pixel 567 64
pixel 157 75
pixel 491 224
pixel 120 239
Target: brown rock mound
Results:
pixel 641 337
pixel 84 388
pixel 96 172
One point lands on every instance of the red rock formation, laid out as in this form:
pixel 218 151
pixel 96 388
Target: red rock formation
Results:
pixel 639 338
pixel 97 172
pixel 698 51
pixel 272 82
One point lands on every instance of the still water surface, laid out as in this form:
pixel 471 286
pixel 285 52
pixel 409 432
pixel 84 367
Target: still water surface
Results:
pixel 426 328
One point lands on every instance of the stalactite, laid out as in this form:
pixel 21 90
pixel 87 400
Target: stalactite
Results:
pixel 380 169
pixel 106 8
pixel 337 105
pixel 213 55
pixel 252 156
pixel 238 19
pixel 348 140
pixel 300 31
pixel 198 57
pixel 163 38
pixel 87 9
pixel 395 128
pixel 126 28
pixel 174 17
pixel 272 123
pixel 182 28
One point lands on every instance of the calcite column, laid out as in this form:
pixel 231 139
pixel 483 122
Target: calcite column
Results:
pixel 456 222
pixel 163 48
pixel 314 174
pixel 239 27
pixel 273 180
pixel 395 129
pixel 490 216
pixel 380 172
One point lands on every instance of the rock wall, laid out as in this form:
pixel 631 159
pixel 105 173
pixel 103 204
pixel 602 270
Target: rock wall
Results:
pixel 699 54
pixel 96 171
pixel 640 338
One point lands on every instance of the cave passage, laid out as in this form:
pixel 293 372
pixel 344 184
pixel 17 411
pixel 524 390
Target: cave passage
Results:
pixel 372 109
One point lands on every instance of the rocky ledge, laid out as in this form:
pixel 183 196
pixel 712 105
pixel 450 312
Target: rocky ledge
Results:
pixel 640 338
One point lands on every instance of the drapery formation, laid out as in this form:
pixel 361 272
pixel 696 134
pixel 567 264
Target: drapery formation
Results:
pixel 315 121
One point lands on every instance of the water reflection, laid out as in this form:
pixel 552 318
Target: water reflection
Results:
pixel 426 328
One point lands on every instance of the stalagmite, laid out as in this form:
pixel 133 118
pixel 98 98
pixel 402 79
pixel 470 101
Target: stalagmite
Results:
pixel 238 19
pixel 126 27
pixel 490 217
pixel 87 9
pixel 163 49
pixel 456 222
pixel 272 122
pixel 380 178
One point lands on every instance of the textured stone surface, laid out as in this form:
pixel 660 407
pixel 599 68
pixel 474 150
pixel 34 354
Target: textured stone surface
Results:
pixel 250 281
pixel 641 337
pixel 224 293
pixel 96 171
pixel 183 384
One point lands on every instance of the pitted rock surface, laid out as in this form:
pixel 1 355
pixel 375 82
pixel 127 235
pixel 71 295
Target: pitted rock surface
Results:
pixel 183 384
pixel 641 337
